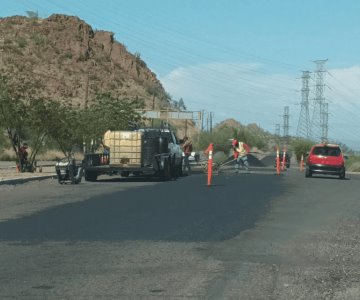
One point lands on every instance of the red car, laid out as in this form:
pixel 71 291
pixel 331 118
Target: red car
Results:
pixel 325 159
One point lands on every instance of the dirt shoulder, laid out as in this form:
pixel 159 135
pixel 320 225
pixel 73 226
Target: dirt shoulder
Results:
pixel 9 171
pixel 318 265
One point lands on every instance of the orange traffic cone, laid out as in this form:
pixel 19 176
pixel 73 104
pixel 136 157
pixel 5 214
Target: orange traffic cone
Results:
pixel 209 150
pixel 283 160
pixel 302 163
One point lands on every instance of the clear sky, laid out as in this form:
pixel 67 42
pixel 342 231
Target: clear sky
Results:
pixel 239 59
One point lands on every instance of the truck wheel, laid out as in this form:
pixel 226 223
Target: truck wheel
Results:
pixel 90 176
pixel 173 168
pixel 180 170
pixel 166 171
pixel 72 178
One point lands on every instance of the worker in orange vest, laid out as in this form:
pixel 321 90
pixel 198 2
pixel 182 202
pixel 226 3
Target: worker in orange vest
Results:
pixel 240 154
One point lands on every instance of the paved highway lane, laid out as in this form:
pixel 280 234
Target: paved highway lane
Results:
pixel 182 210
pixel 121 239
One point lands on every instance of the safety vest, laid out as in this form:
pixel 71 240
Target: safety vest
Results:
pixel 241 149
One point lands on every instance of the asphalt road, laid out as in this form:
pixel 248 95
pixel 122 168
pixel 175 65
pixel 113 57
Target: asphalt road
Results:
pixel 143 239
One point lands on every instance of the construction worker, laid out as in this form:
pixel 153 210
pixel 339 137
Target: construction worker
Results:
pixel 240 154
pixel 187 149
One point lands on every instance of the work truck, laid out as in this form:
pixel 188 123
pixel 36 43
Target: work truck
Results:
pixel 143 152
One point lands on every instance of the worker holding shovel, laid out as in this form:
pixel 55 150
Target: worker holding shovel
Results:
pixel 240 154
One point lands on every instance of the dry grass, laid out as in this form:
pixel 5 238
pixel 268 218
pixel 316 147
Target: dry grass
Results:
pixel 51 155
pixel 7 155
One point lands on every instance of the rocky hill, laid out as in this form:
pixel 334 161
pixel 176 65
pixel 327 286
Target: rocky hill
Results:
pixel 231 123
pixel 73 62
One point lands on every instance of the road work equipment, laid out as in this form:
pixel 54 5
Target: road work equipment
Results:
pixel 68 171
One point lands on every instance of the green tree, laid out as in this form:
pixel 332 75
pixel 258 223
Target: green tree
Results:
pixel 24 116
pixel 301 147
pixel 181 104
pixel 34 119
pixel 67 126
pixel 110 113
pixel 13 113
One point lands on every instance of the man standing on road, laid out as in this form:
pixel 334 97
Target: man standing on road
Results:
pixel 240 154
pixel 187 149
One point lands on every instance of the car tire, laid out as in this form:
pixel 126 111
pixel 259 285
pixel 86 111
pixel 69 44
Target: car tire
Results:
pixel 308 172
pixel 342 174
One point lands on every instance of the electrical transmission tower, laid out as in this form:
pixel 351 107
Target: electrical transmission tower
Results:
pixel 325 122
pixel 286 118
pixel 319 120
pixel 304 129
pixel 277 129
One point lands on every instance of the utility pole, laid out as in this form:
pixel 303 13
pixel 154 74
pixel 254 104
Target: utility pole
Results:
pixel 202 120
pixel 286 118
pixel 207 122
pixel 320 120
pixel 303 129
pixel 211 120
pixel 199 121
pixel 277 129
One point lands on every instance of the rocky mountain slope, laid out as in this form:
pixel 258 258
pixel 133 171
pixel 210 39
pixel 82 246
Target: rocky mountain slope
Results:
pixel 73 62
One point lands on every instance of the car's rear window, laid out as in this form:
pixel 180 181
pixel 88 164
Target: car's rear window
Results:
pixel 327 151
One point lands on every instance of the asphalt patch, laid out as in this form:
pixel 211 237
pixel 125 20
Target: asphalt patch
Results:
pixel 183 210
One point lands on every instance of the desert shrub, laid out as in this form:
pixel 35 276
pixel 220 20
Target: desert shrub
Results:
pixel 22 42
pixel 7 41
pixel 222 139
pixel 301 147
pixel 68 55
pixel 353 163
pixel 39 40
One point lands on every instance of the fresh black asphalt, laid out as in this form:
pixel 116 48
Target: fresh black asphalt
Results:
pixel 181 210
